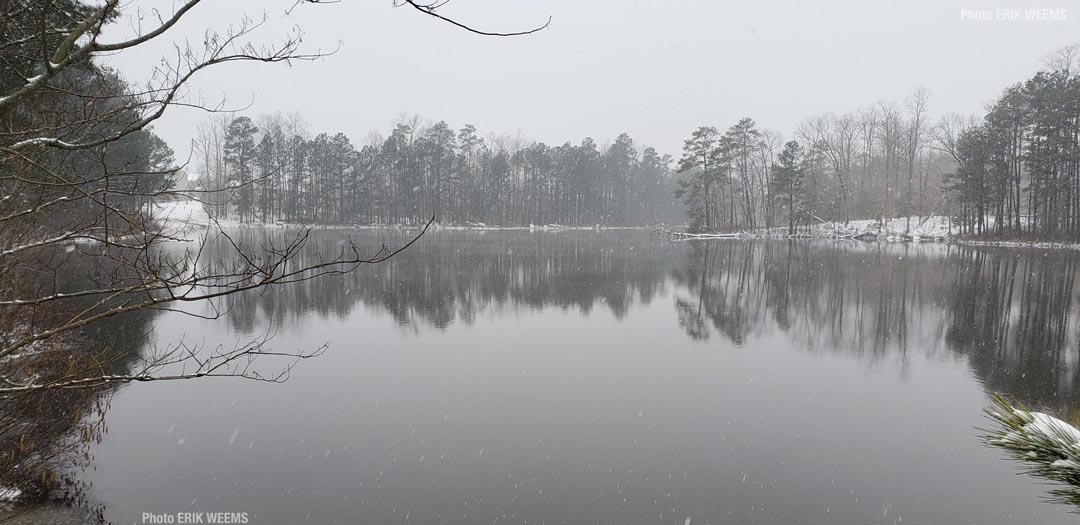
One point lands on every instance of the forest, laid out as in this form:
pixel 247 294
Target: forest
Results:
pixel 1011 173
pixel 274 171
pixel 1018 171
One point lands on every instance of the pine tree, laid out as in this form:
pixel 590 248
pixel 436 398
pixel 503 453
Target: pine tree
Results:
pixel 239 157
pixel 701 162
pixel 787 181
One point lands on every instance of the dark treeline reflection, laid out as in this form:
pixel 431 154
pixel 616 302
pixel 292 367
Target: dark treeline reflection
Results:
pixel 1013 315
pixel 452 277
pixel 1008 313
pixel 867 299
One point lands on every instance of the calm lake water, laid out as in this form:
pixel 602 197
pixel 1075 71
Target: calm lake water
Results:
pixel 606 377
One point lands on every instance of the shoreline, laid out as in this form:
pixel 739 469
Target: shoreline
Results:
pixel 676 236
pixel 927 229
pixel 871 237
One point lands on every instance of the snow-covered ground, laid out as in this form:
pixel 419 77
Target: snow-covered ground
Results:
pixel 188 212
pixel 915 228
pixel 181 211
pixel 179 214
pixel 193 213
pixel 931 227
pixel 9 494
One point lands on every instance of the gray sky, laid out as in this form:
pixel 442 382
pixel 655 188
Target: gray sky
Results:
pixel 656 69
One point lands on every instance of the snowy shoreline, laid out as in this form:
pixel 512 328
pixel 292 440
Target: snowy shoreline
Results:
pixel 193 214
pixel 930 229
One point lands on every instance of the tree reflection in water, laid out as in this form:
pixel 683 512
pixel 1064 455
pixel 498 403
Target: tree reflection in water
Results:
pixel 1008 313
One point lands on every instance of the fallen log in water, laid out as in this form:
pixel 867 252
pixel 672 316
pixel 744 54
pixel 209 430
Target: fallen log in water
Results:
pixel 687 236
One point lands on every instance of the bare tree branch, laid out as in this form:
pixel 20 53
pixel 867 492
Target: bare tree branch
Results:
pixel 429 9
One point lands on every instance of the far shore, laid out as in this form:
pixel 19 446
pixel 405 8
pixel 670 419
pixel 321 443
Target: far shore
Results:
pixel 926 229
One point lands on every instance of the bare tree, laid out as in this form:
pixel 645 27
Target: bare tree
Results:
pixel 79 168
pixel 32 150
pixel 209 147
pixel 837 138
pixel 1065 59
pixel 914 141
pixel 889 137
pixel 767 149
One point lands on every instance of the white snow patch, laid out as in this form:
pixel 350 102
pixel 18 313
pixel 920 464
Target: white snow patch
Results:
pixel 181 211
pixel 1049 433
pixel 914 228
pixel 9 494
pixel 1065 464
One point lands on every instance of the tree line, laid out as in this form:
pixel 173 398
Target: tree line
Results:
pixel 1011 318
pixel 81 256
pixel 1013 173
pixel 270 169
pixel 874 162
pixel 1018 170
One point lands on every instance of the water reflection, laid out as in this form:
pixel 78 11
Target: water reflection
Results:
pixel 870 364
pixel 450 277
pixel 1008 313
pixel 1013 316
pixel 45 436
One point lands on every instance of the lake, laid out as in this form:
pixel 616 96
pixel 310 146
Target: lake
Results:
pixel 609 377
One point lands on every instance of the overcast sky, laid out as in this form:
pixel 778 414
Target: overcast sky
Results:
pixel 655 69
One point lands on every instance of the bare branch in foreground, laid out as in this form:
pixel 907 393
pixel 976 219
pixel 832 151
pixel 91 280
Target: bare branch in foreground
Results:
pixel 429 9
